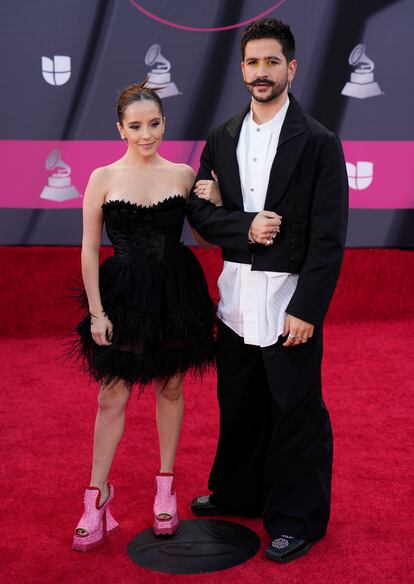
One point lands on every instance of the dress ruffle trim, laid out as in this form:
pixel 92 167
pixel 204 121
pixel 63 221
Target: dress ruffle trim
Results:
pixel 122 204
pixel 182 343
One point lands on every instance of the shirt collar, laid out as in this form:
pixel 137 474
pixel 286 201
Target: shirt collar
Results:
pixel 274 122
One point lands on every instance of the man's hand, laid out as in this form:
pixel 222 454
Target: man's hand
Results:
pixel 209 190
pixel 297 331
pixel 264 227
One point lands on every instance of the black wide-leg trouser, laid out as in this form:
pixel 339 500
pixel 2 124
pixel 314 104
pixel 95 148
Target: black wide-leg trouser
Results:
pixel 274 455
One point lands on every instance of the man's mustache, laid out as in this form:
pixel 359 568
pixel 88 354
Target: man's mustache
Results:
pixel 260 82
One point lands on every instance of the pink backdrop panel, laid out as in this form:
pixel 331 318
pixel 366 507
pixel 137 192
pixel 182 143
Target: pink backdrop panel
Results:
pixel 390 182
pixel 24 174
pixel 381 173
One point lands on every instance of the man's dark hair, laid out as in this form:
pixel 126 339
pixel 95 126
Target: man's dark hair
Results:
pixel 270 28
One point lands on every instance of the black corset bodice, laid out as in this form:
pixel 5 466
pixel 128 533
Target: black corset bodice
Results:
pixel 140 234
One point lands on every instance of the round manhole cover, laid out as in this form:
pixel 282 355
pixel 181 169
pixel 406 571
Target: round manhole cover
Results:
pixel 199 545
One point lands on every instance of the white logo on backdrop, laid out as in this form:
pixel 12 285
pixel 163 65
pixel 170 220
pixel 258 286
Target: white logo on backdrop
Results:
pixel 361 175
pixel 159 77
pixel 59 185
pixel 56 71
pixel 362 82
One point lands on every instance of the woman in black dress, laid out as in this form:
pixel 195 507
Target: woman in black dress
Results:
pixel 149 317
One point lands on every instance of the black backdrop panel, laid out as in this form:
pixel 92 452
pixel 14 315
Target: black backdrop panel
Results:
pixel 106 44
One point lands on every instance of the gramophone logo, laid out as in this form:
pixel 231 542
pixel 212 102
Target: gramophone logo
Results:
pixel 362 82
pixel 159 77
pixel 59 185
pixel 361 175
pixel 56 71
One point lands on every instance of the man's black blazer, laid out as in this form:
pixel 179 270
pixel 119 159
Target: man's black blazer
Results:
pixel 308 186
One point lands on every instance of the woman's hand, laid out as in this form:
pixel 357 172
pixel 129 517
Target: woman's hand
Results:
pixel 101 329
pixel 209 190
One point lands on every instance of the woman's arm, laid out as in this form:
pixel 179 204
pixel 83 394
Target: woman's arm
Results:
pixel 101 327
pixel 189 182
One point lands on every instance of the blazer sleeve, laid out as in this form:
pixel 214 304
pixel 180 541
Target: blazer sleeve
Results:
pixel 218 225
pixel 329 217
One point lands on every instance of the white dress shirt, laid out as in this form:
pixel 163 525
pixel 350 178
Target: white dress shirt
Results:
pixel 253 303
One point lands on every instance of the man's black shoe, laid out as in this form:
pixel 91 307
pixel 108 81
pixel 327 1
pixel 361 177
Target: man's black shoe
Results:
pixel 203 506
pixel 287 548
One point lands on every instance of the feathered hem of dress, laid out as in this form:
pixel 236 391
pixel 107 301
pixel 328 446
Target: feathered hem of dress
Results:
pixel 182 343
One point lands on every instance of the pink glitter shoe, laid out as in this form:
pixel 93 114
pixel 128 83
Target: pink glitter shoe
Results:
pixel 96 521
pixel 166 520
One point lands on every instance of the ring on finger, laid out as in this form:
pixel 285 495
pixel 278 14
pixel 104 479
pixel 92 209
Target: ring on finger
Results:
pixel 292 336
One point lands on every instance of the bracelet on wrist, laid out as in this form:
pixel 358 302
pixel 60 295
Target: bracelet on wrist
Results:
pixel 95 316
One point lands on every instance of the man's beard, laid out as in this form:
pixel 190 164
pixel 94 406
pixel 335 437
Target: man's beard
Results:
pixel 277 89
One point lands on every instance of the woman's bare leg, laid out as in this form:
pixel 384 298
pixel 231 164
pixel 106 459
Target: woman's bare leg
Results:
pixel 109 427
pixel 169 415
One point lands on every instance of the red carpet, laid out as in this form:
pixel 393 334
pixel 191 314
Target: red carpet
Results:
pixel 48 409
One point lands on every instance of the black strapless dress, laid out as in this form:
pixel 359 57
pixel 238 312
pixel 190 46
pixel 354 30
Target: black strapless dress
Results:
pixel 154 292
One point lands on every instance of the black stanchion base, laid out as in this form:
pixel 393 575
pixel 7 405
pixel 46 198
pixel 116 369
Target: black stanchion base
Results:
pixel 199 545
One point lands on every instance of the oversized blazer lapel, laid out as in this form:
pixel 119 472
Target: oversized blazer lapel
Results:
pixel 292 140
pixel 231 137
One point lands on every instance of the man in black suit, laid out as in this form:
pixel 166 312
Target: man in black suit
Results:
pixel 281 227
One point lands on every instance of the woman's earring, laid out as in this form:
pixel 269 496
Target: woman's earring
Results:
pixel 290 83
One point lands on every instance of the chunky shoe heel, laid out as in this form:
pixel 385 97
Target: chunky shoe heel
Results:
pixel 96 521
pixel 111 524
pixel 165 504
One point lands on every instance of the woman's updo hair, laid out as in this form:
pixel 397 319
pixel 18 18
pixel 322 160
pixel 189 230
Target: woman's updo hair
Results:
pixel 137 92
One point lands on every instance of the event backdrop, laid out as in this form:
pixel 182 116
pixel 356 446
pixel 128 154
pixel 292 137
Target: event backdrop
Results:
pixel 63 63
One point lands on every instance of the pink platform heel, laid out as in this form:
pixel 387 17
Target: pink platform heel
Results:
pixel 96 520
pixel 165 504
